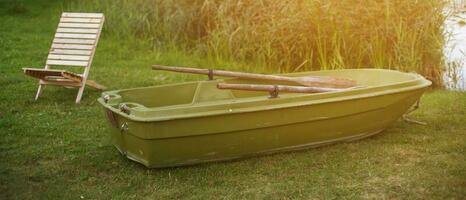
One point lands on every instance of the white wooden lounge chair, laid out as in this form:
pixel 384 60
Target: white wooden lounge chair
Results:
pixel 74 45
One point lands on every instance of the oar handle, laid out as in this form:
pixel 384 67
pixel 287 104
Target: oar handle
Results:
pixel 181 69
pixel 276 88
pixel 325 81
pixel 221 73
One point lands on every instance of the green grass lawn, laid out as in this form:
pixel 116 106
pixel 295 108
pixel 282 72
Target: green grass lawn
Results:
pixel 55 149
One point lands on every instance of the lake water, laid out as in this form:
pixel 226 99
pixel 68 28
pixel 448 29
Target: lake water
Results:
pixel 455 45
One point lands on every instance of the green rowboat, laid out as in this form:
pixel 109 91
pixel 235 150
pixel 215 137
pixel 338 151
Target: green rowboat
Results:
pixel 195 122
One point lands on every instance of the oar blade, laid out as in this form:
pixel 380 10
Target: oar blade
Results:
pixel 325 81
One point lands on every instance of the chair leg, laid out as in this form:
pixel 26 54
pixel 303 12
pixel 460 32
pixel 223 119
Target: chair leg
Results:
pixel 80 93
pixel 39 91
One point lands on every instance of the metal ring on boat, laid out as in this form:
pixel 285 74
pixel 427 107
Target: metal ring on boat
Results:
pixel 106 98
pixel 124 127
pixel 125 108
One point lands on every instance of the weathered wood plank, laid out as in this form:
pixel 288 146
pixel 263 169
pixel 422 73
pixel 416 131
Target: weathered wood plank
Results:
pixel 61 82
pixel 73 41
pixel 79 78
pixel 77 30
pixel 77 25
pixel 83 15
pixel 75 36
pixel 95 85
pixel 72 46
pixel 68 57
pixel 67 63
pixel 41 73
pixel 70 52
pixel 81 20
pixel 72 76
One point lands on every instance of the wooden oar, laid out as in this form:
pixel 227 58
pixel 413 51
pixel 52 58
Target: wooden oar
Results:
pixel 312 81
pixel 277 88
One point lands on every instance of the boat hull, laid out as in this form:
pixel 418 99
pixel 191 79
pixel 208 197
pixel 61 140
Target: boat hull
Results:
pixel 192 140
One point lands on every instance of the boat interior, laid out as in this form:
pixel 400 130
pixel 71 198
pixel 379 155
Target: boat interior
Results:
pixel 207 93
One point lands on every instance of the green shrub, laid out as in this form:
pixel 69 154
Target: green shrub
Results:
pixel 288 35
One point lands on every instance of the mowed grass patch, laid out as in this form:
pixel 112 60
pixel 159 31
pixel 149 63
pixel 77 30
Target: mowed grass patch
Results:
pixel 55 149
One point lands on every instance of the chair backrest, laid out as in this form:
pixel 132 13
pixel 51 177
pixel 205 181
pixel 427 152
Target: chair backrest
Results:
pixel 75 40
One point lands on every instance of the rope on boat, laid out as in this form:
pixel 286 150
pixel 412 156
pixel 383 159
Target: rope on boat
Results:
pixel 406 118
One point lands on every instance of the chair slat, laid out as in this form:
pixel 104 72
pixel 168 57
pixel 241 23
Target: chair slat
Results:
pixel 68 57
pixel 72 46
pixel 75 36
pixel 73 41
pixel 61 82
pixel 77 30
pixel 67 63
pixel 77 25
pixel 41 73
pixel 83 15
pixel 72 76
pixel 81 20
pixel 71 52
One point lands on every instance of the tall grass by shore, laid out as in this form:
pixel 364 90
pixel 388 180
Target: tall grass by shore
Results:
pixel 287 35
